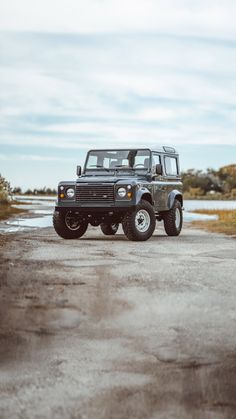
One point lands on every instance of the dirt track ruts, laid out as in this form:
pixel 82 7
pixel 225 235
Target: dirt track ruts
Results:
pixel 106 328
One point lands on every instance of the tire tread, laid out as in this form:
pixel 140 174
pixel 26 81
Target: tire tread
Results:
pixel 63 231
pixel 169 220
pixel 128 223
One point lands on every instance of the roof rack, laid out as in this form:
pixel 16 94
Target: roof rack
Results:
pixel 168 149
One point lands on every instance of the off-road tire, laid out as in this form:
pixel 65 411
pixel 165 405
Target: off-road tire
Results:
pixel 109 229
pixel 129 223
pixel 62 229
pixel 172 224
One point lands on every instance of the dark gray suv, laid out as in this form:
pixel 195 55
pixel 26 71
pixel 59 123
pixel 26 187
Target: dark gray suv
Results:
pixel 134 187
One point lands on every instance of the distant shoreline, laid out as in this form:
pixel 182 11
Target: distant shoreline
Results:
pixel 208 198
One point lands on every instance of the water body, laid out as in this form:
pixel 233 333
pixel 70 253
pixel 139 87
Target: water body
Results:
pixel 38 215
pixel 218 205
pixel 41 210
pixel 192 205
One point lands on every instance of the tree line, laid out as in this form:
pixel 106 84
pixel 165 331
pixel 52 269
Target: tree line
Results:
pixel 210 183
pixel 40 191
pixel 7 192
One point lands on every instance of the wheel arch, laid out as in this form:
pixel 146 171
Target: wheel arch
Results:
pixel 175 195
pixel 144 195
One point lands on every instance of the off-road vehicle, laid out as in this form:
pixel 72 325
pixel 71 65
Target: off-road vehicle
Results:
pixel 132 187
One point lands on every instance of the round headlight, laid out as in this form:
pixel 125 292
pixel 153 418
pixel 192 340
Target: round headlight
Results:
pixel 121 192
pixel 70 193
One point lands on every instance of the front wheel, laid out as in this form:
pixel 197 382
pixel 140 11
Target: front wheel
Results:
pixel 140 224
pixel 109 229
pixel 173 219
pixel 68 226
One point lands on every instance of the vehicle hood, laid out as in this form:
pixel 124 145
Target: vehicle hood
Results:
pixel 106 179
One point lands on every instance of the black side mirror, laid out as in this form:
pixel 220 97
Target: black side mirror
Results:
pixel 78 171
pixel 159 170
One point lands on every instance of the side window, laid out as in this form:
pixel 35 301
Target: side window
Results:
pixel 171 167
pixel 156 159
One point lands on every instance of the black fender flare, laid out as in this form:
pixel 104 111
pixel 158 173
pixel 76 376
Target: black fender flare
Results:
pixel 143 193
pixel 175 194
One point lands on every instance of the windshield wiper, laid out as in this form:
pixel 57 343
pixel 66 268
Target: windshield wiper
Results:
pixel 99 166
pixel 124 165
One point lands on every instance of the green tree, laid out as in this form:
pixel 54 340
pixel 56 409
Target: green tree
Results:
pixel 17 190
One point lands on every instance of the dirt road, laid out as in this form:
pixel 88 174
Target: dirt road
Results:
pixel 105 328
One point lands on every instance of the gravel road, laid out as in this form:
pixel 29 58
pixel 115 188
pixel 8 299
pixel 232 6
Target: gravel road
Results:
pixel 105 328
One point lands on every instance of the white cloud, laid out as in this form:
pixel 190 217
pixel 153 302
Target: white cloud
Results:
pixel 34 157
pixel 201 18
pixel 127 72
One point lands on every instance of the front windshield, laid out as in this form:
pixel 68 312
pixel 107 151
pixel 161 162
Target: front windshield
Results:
pixel 118 160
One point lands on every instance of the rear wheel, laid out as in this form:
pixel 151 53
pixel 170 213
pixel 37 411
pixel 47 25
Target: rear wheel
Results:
pixel 173 219
pixel 139 225
pixel 109 229
pixel 68 226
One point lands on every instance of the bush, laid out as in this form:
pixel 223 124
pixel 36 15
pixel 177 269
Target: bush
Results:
pixel 5 191
pixel 233 193
pixel 195 192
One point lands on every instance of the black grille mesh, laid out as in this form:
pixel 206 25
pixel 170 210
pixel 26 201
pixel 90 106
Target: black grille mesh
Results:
pixel 95 193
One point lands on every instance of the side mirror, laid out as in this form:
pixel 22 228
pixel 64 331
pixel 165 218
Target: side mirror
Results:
pixel 159 170
pixel 78 171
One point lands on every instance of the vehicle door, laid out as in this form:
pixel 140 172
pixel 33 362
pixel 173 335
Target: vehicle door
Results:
pixel 171 169
pixel 158 185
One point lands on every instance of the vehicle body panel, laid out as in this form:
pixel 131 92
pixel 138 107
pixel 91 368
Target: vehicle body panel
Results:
pixel 96 189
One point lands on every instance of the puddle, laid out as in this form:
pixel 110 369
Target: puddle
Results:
pixel 41 222
pixel 37 200
pixel 39 214
pixel 43 212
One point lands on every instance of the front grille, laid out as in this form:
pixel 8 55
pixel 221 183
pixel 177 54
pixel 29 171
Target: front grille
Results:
pixel 95 193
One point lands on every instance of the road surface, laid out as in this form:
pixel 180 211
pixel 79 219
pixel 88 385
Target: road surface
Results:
pixel 106 328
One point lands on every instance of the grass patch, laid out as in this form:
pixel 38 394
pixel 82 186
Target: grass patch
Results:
pixel 226 222
pixel 13 202
pixel 6 211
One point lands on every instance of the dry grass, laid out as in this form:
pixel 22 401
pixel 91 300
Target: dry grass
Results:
pixel 226 222
pixel 7 211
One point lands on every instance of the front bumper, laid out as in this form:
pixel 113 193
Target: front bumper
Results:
pixel 87 207
pixel 97 214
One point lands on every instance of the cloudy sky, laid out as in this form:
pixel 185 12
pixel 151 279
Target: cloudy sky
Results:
pixel 102 73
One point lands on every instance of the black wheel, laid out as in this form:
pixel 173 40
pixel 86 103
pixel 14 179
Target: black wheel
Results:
pixel 109 229
pixel 140 224
pixel 68 226
pixel 173 219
